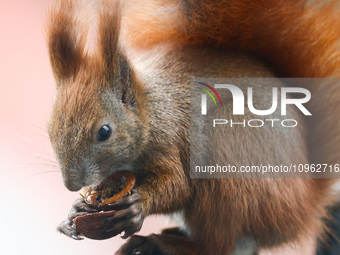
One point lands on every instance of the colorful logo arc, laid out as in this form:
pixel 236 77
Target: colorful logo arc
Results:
pixel 209 93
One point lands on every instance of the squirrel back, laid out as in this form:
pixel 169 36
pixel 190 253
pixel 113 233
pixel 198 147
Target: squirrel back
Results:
pixel 296 39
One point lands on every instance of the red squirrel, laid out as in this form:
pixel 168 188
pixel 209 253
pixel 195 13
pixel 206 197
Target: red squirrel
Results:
pixel 126 106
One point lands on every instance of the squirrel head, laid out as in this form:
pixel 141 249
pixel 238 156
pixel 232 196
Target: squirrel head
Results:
pixel 97 125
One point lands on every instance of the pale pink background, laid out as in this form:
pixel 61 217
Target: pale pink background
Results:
pixel 33 200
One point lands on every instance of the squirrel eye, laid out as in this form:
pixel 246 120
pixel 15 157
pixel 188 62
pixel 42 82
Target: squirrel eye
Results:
pixel 104 133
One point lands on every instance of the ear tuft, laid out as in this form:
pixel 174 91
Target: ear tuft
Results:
pixel 66 45
pixel 108 33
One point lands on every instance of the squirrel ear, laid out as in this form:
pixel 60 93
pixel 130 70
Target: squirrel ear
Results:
pixel 65 45
pixel 108 32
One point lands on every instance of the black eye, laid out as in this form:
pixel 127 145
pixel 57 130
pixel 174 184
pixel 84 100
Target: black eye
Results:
pixel 104 133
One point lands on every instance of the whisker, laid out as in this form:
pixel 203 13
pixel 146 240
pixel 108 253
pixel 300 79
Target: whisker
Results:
pixel 44 172
pixel 43 166
pixel 106 160
pixel 40 157
pixel 41 135
pixel 36 126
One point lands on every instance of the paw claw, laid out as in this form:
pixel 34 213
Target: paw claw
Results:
pixel 136 252
pixel 125 236
pixel 76 237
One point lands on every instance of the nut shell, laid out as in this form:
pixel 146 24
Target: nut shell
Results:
pixel 99 225
pixel 92 194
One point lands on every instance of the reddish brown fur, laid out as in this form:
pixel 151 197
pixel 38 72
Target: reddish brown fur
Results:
pixel 298 40
pixel 66 46
pixel 294 39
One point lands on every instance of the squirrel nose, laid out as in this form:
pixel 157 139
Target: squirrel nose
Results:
pixel 72 185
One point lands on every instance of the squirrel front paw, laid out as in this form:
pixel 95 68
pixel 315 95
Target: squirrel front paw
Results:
pixel 67 227
pixel 130 216
pixel 140 245
pixel 124 215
